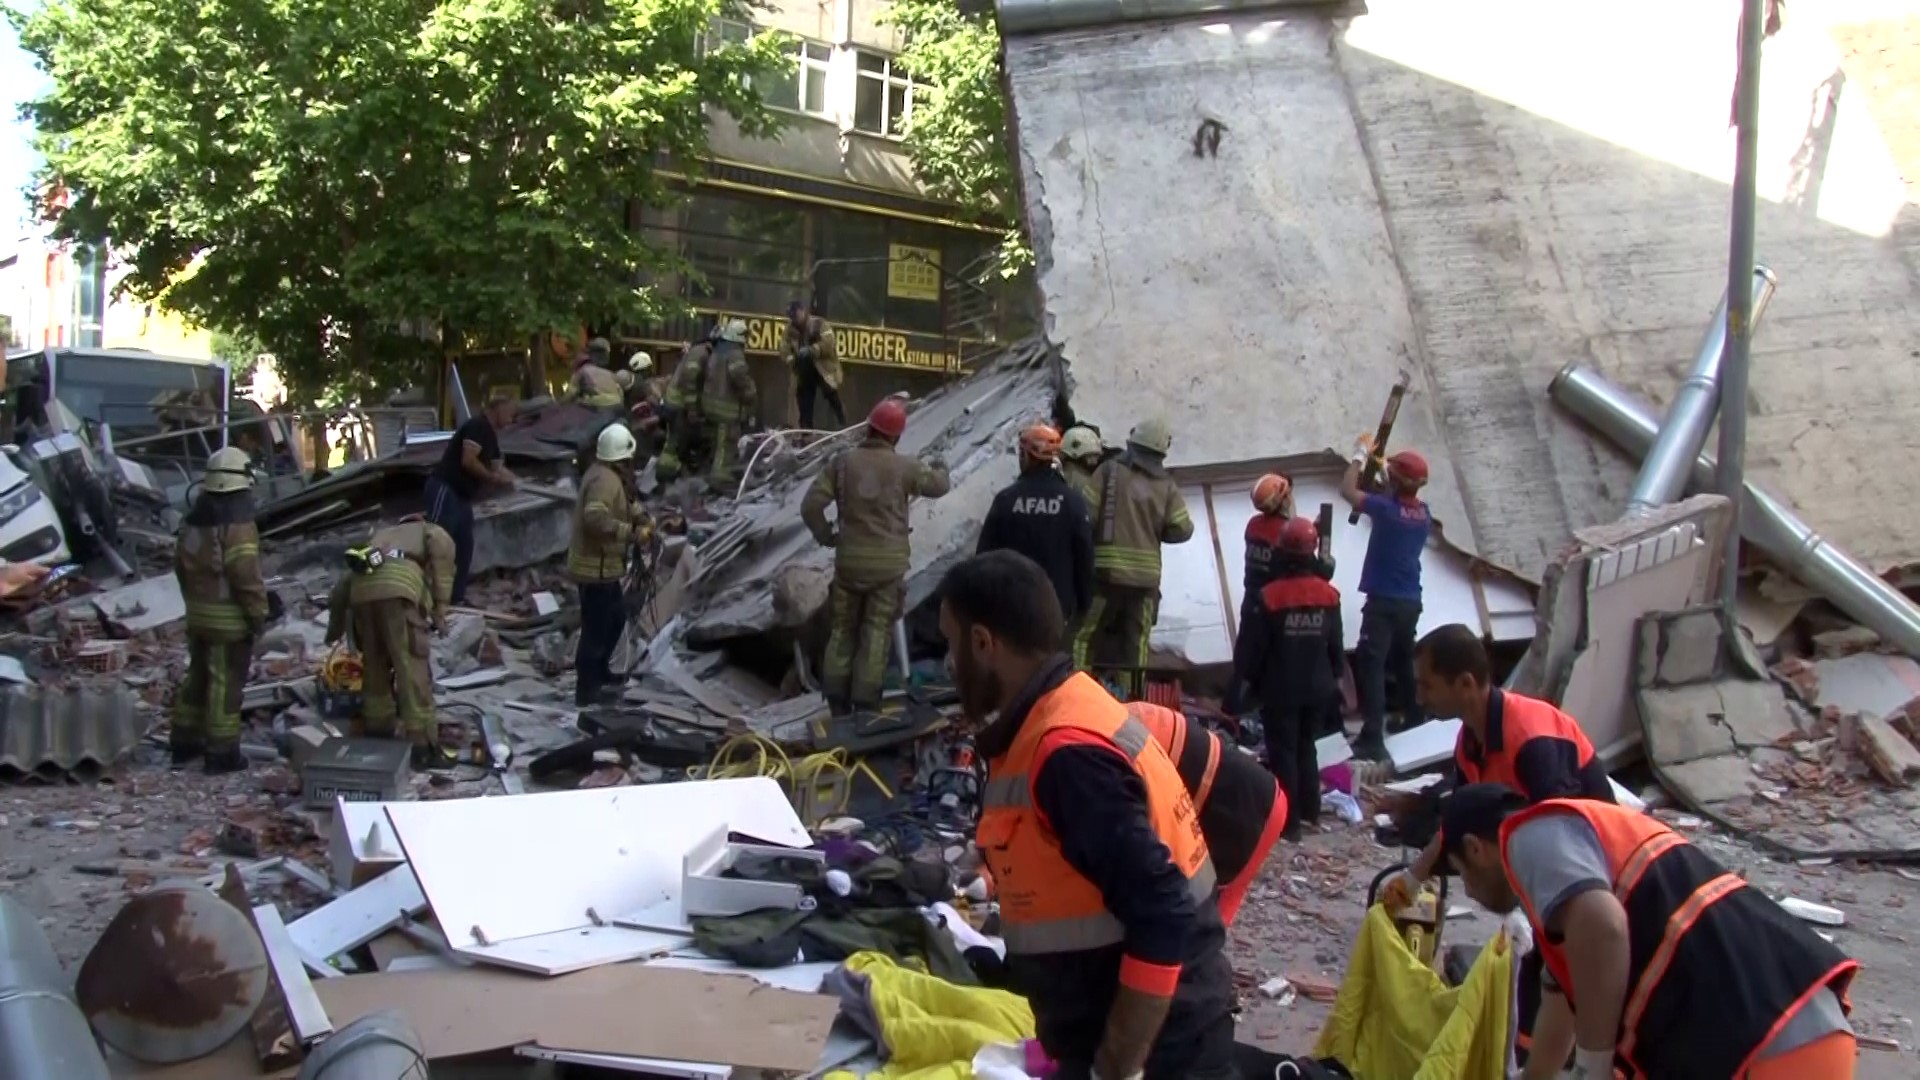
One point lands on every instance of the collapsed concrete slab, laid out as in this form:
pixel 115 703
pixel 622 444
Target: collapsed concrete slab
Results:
pixel 1729 744
pixel 762 571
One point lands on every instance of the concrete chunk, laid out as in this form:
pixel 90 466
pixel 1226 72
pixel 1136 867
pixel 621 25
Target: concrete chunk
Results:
pixel 1685 724
pixel 1689 647
pixel 1711 780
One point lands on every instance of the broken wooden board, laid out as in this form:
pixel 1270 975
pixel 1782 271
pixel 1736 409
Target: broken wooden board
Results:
pixel 359 916
pixel 688 1016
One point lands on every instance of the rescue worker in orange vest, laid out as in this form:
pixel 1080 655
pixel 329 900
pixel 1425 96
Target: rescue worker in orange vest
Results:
pixel 1659 961
pixel 1106 890
pixel 1505 738
pixel 1291 652
pixel 1242 808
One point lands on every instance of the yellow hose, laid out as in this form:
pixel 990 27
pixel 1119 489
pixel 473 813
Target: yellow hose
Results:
pixel 820 785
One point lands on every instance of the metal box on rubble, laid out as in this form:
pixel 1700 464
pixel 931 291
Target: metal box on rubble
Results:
pixel 357 770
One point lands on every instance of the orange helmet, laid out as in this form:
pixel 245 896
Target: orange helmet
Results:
pixel 1300 536
pixel 1040 443
pixel 1270 493
pixel 889 418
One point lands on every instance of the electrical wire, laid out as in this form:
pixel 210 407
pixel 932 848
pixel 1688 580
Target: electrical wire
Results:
pixel 820 784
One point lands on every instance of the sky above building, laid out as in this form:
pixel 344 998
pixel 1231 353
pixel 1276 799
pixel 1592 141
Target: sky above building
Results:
pixel 20 81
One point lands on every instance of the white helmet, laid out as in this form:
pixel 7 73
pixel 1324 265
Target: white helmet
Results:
pixel 228 470
pixel 615 443
pixel 640 363
pixel 1080 443
pixel 734 330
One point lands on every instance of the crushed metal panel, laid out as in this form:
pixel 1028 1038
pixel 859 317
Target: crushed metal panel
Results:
pixel 1252 298
pixel 48 735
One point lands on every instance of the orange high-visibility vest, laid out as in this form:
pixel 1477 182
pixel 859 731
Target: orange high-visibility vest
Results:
pixel 1047 906
pixel 1717 969
pixel 1194 751
pixel 1521 719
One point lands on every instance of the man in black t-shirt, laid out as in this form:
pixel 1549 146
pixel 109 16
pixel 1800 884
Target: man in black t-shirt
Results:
pixel 471 461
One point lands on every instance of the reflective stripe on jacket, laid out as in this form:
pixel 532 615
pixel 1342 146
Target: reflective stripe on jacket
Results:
pixel 1233 792
pixel 1139 509
pixel 727 390
pixel 1716 968
pixel 872 486
pixel 594 385
pixel 218 568
pixel 1514 721
pixel 683 386
pixel 1047 906
pixel 423 575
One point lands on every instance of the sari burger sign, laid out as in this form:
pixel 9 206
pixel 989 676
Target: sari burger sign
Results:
pixel 858 344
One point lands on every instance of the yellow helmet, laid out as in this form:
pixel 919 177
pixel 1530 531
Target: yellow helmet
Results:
pixel 228 470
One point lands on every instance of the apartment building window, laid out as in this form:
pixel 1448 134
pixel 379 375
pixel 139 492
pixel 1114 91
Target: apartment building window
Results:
pixel 812 59
pixel 883 96
pixel 726 32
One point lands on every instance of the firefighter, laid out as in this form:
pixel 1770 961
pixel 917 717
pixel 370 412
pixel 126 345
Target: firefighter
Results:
pixel 1242 809
pixel 607 521
pixel 871 487
pixel 1080 457
pixel 1523 743
pixel 1104 880
pixel 1042 517
pixel 1291 653
pixel 815 361
pixel 217 563
pixel 1273 508
pixel 1390 580
pixel 1660 962
pixel 593 383
pixel 729 401
pixel 1138 508
pixel 396 586
pixel 680 408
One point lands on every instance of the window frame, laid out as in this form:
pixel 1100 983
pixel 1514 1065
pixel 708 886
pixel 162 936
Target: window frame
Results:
pixel 890 77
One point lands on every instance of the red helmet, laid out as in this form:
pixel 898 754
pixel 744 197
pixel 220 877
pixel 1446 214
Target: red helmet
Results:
pixel 1409 465
pixel 1300 536
pixel 1040 443
pixel 889 418
pixel 1270 493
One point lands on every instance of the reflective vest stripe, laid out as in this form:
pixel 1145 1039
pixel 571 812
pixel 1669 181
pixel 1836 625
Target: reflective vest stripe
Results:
pixel 1089 931
pixel 1014 791
pixel 1642 858
pixel 1678 924
pixel 1213 770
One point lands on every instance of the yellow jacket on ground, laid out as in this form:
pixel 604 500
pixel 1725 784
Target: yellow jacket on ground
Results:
pixel 930 1027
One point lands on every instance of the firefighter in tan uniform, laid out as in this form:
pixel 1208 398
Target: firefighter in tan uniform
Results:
pixel 217 562
pixel 593 382
pixel 1080 454
pixel 871 485
pixel 680 408
pixel 729 401
pixel 815 360
pixel 607 522
pixel 1137 508
pixel 395 587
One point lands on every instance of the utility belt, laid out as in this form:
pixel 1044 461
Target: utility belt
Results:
pixel 368 559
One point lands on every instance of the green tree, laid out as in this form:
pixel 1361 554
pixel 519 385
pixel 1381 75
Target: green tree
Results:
pixel 957 133
pixel 356 184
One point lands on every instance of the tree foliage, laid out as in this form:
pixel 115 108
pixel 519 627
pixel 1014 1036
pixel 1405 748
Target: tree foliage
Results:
pixel 957 133
pixel 345 180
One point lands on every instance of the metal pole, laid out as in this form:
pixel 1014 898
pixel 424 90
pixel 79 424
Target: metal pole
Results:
pixel 1730 479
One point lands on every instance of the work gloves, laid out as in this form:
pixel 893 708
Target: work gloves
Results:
pixel 1362 450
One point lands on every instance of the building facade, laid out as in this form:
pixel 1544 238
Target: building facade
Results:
pixel 829 212
pixel 63 295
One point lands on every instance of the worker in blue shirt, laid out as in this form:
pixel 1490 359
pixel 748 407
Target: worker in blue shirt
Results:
pixel 1390 581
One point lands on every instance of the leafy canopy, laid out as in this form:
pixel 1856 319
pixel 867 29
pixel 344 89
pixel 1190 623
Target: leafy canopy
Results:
pixel 957 132
pixel 342 180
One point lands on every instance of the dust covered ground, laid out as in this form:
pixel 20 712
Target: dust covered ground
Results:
pixel 74 853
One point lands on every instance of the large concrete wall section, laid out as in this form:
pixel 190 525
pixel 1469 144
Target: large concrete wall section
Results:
pixel 1250 298
pixel 1489 189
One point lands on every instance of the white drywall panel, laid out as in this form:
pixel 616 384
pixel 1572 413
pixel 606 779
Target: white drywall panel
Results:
pixel 521 865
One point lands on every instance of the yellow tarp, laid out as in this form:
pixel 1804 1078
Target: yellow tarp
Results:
pixel 931 1027
pixel 1395 1019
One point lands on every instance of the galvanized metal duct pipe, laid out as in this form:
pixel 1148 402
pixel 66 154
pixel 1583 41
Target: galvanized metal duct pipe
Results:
pixel 1663 476
pixel 1765 521
pixel 1042 16
pixel 41 1030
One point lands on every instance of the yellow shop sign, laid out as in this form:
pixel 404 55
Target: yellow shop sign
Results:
pixel 858 344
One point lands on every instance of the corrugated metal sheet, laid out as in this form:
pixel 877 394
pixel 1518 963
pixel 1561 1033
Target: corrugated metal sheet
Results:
pixel 1200 589
pixel 52 735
